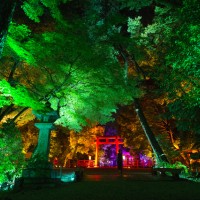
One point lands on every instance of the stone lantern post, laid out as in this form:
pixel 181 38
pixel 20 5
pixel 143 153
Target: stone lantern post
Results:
pixel 45 126
pixel 38 166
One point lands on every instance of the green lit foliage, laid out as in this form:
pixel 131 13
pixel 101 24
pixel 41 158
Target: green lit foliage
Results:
pixel 134 5
pixel 90 90
pixel 34 9
pixel 171 42
pixel 187 39
pixel 16 76
pixel 19 32
pixel 16 95
pixel 70 80
pixel 183 56
pixel 110 28
pixel 176 165
pixel 12 158
pixel 97 104
pixel 66 75
pixel 17 37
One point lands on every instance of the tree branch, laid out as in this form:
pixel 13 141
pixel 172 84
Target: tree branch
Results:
pixel 11 75
pixel 7 110
pixel 22 111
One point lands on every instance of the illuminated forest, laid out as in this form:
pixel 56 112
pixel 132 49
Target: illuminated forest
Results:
pixel 132 64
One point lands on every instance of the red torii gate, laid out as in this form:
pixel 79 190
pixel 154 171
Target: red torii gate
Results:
pixel 107 140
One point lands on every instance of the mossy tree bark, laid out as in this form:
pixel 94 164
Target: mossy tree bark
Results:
pixel 160 156
pixel 157 150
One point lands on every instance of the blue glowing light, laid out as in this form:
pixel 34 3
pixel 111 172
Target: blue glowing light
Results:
pixel 69 177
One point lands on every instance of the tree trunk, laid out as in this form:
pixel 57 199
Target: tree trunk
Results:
pixel 160 156
pixel 7 8
pixel 6 111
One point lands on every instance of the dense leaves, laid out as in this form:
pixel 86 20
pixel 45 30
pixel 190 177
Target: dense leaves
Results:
pixel 78 88
pixel 12 158
pixel 18 96
pixel 101 54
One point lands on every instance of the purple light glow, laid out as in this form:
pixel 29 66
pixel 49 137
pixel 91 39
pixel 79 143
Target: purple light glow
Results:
pixel 109 158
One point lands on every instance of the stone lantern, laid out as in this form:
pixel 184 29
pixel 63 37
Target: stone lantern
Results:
pixel 45 126
pixel 38 165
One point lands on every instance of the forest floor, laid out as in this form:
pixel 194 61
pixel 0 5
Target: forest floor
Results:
pixel 110 185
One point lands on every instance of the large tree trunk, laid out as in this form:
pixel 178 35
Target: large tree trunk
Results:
pixel 7 8
pixel 160 156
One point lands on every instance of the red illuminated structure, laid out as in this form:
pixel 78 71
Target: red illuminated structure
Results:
pixel 107 140
pixel 136 161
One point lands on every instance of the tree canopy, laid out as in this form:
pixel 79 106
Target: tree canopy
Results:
pixel 78 88
pixel 89 58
